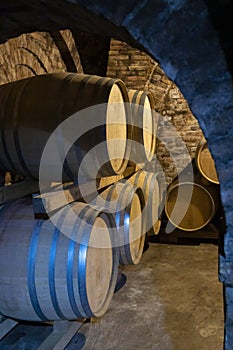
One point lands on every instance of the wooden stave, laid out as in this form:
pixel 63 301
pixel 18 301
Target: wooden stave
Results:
pixel 72 298
pixel 147 185
pixel 125 195
pixel 137 100
pixel 213 178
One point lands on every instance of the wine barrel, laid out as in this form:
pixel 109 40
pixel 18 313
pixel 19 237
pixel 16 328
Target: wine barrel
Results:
pixel 205 162
pixel 126 203
pixel 151 187
pixel 32 108
pixel 201 208
pixel 144 125
pixel 46 275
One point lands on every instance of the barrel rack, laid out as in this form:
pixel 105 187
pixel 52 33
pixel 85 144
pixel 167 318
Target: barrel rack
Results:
pixel 209 234
pixel 53 199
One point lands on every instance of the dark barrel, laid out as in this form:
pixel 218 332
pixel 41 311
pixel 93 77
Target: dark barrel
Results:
pixel 32 108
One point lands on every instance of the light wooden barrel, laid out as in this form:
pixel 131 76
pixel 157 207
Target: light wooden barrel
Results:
pixel 200 210
pixel 47 276
pixel 151 187
pixel 144 125
pixel 32 108
pixel 205 162
pixel 126 203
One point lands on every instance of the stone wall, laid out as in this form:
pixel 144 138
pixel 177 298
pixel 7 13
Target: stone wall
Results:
pixel 139 71
pixel 38 53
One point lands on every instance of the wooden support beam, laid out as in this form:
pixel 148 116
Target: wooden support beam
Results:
pixel 63 332
pixel 60 195
pixel 18 190
pixel 6 326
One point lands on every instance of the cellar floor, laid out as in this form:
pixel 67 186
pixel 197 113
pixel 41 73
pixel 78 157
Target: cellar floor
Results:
pixel 172 300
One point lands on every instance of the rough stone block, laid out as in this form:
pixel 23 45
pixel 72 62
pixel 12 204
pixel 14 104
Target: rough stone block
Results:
pixel 228 291
pixel 228 245
pixel 228 337
pixel 174 93
pixel 225 270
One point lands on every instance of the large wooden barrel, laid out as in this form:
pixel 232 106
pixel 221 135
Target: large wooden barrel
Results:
pixel 32 108
pixel 205 162
pixel 196 212
pixel 144 125
pixel 126 203
pixel 46 275
pixel 150 184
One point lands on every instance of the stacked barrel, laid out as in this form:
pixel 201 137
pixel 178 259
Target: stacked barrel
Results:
pixel 200 197
pixel 54 127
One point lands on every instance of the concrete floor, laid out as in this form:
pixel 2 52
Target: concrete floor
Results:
pixel 172 301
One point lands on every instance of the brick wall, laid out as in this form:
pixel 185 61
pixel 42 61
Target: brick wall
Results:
pixel 139 71
pixel 37 53
pixel 41 52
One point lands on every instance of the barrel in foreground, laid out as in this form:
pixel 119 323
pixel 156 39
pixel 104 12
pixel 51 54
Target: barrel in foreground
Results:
pixel 48 272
